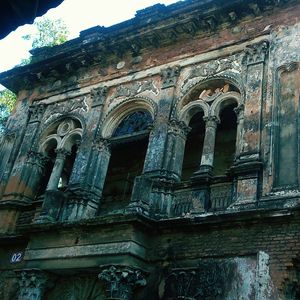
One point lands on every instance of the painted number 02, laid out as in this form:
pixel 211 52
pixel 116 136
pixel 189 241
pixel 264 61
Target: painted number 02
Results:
pixel 16 257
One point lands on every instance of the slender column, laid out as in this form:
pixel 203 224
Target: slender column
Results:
pixel 32 284
pixel 207 159
pixel 121 281
pixel 61 155
pixel 239 130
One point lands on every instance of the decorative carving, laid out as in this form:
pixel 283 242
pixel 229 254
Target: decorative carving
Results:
pixel 37 158
pixel 135 89
pixel 32 284
pixel 101 144
pixel 37 111
pixel 178 128
pixel 61 153
pixel 121 281
pixel 135 122
pixel 239 111
pixel 99 95
pixel 210 95
pixel 207 281
pixel 64 107
pixel 211 121
pixel 256 53
pixel 169 76
pixel 212 68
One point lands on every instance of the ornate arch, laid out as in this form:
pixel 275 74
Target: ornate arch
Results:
pixel 190 109
pixel 63 132
pixel 119 112
pixel 230 78
pixel 223 100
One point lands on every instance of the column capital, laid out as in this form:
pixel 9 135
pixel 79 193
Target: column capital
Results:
pixel 239 111
pixel 169 76
pixel 32 283
pixel 178 128
pixel 256 53
pixel 101 144
pixel 36 112
pixel 99 95
pixel 37 158
pixel 121 281
pixel 61 153
pixel 211 121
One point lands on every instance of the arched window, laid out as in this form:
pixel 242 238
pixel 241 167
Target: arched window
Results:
pixel 194 143
pixel 129 144
pixel 60 147
pixel 225 140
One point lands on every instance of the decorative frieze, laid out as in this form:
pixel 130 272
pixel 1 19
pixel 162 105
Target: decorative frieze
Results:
pixel 68 106
pixel 121 281
pixel 135 89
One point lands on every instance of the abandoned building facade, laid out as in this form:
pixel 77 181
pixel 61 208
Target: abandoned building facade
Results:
pixel 157 159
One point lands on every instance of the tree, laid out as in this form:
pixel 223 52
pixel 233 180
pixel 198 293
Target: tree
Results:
pixel 7 104
pixel 48 33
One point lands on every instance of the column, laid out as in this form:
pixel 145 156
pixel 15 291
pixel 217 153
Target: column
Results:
pixel 18 175
pixel 53 198
pixel 86 183
pixel 208 152
pixel 121 281
pixel 61 155
pixel 34 170
pixel 154 160
pixel 248 163
pixel 157 161
pixel 32 284
pixel 86 201
pixel 239 111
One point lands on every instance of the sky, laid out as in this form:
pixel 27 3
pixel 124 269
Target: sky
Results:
pixel 78 15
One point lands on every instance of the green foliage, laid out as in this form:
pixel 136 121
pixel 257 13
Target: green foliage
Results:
pixel 7 104
pixel 48 33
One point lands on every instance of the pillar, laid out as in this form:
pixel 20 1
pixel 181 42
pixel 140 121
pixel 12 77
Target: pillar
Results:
pixel 85 186
pixel 248 163
pixel 53 182
pixel 121 281
pixel 208 152
pixel 161 153
pixel 20 175
pixel 53 198
pixel 85 198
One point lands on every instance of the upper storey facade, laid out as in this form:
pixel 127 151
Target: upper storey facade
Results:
pixel 165 142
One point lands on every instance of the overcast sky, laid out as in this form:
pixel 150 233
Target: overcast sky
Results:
pixel 78 15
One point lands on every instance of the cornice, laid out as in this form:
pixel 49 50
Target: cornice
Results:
pixel 153 27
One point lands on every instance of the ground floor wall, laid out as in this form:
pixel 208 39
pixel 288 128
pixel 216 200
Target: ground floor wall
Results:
pixel 233 256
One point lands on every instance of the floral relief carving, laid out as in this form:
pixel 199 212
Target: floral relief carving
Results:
pixel 135 89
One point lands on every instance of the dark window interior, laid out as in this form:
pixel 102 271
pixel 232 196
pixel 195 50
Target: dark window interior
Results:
pixel 193 146
pixel 225 140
